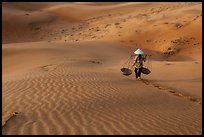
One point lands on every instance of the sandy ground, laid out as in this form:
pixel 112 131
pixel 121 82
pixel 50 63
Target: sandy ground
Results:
pixel 61 68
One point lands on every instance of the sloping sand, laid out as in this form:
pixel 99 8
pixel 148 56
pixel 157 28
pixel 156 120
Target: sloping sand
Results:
pixel 61 69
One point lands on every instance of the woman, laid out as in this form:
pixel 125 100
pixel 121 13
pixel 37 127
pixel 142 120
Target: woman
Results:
pixel 138 63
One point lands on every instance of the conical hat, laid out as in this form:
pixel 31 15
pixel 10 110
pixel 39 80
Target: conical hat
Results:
pixel 139 51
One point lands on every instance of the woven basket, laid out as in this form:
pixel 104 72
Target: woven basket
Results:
pixel 145 71
pixel 126 71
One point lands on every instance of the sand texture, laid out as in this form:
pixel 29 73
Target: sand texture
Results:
pixel 61 68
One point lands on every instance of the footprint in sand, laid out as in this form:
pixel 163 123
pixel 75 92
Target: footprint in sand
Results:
pixel 107 25
pixel 148 40
pixel 12 116
pixel 174 92
pixel 168 64
pixel 49 67
pixel 95 62
pixel 178 25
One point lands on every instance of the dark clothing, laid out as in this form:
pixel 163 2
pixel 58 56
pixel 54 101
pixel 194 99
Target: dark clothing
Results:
pixel 138 63
pixel 138 72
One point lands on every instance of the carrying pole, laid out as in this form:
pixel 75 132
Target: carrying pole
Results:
pixel 128 60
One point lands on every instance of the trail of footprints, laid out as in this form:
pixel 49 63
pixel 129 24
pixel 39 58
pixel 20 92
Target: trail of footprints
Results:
pixel 174 92
pixel 77 104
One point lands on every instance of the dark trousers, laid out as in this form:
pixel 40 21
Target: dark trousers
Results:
pixel 138 72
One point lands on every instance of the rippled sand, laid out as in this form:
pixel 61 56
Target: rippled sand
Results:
pixel 62 84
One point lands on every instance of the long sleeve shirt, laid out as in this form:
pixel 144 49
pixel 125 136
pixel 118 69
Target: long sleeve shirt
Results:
pixel 138 63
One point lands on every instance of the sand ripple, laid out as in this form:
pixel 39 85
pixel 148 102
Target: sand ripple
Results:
pixel 66 100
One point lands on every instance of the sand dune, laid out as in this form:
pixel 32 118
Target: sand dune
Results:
pixel 61 68
pixel 152 25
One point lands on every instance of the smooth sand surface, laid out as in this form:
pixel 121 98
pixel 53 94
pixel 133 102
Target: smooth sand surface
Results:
pixel 61 68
